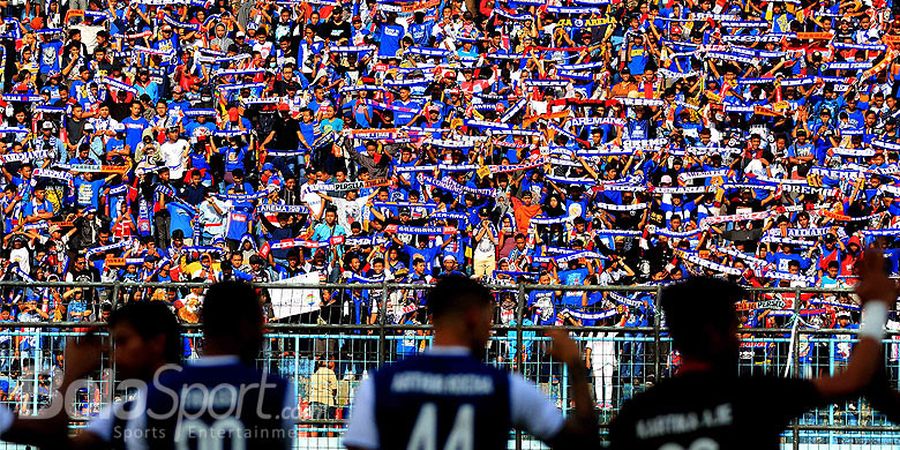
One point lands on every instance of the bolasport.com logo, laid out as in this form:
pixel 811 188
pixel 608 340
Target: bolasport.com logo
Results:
pixel 194 410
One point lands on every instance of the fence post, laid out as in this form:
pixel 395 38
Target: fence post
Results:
pixel 521 298
pixel 115 298
pixel 296 380
pixel 36 368
pixel 381 321
pixel 519 353
pixel 111 391
pixel 795 361
pixel 657 342
pixel 112 370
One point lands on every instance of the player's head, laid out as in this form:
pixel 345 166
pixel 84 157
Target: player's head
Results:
pixel 232 320
pixel 461 309
pixel 701 318
pixel 146 337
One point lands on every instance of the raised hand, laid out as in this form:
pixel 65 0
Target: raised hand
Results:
pixel 564 349
pixel 875 285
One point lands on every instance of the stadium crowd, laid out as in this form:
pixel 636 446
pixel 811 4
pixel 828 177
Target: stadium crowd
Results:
pixel 589 142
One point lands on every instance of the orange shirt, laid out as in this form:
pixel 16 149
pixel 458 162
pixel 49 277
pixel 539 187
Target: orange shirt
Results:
pixel 523 213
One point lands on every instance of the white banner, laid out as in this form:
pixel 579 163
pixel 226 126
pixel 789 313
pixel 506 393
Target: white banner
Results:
pixel 290 302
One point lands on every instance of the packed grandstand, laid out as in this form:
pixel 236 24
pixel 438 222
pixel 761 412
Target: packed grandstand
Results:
pixel 589 142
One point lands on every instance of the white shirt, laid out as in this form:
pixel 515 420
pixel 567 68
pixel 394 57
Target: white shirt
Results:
pixel 486 248
pixel 603 349
pixel 349 210
pixel 529 407
pixel 312 200
pixel 21 256
pixel 173 157
pixel 213 222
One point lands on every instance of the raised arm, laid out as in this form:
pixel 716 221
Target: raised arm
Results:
pixel 580 429
pixel 876 291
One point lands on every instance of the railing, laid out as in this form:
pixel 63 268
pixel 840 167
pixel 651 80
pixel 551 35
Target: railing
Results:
pixel 622 360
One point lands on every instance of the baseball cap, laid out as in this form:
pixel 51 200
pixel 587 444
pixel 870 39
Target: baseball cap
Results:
pixel 47 125
pixel 239 34
pixel 665 179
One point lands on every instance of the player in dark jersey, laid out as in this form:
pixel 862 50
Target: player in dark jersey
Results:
pixel 146 336
pixel 447 398
pixel 222 400
pixel 707 406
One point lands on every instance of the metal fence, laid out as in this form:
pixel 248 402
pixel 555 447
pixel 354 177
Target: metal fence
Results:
pixel 327 356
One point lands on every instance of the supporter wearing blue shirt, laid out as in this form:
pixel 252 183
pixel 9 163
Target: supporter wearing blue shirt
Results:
pixel 276 232
pixel 455 246
pixel 420 29
pixel 785 256
pixel 637 54
pixel 411 107
pixel 388 38
pixel 575 276
pixel 543 303
pixel 239 185
pixel 170 44
pixel 843 346
pixel 328 229
pixel 87 190
pixel 38 207
pixel 362 111
pixel 240 221
pixel 234 154
pixel 421 251
pixel 199 127
pixel 49 50
pixel 309 129
pixel 135 125
pixel 638 128
pixel 679 208
pixel 179 104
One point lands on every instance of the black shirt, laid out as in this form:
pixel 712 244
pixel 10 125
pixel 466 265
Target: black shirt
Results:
pixel 334 31
pixel 711 410
pixel 286 130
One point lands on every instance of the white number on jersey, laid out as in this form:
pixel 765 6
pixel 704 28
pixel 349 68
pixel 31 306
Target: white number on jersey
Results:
pixel 461 437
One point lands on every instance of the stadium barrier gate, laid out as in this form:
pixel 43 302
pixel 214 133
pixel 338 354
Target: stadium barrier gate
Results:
pixel 326 361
